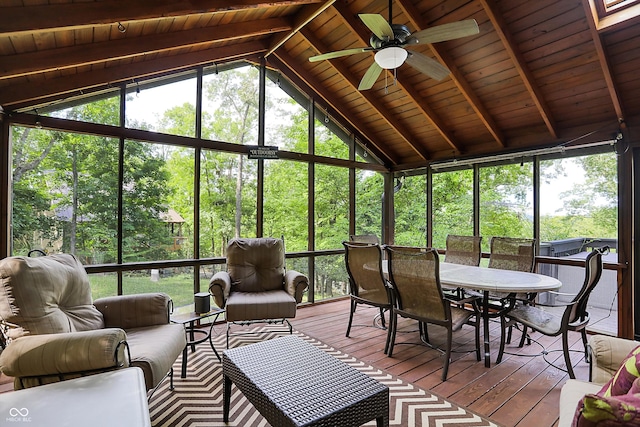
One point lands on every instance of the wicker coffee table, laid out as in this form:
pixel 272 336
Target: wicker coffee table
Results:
pixel 293 383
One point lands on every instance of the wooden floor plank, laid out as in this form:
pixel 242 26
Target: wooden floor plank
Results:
pixel 522 391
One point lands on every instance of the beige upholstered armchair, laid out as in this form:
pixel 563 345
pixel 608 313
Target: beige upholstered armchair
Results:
pixel 256 287
pixel 53 331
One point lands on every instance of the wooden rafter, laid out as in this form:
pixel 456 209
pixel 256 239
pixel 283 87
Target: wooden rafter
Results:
pixel 285 61
pixel 75 83
pixel 84 14
pixel 458 79
pixel 303 18
pixel 591 15
pixel 74 56
pixel 520 64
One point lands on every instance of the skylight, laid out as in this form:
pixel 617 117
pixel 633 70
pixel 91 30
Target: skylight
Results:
pixel 610 13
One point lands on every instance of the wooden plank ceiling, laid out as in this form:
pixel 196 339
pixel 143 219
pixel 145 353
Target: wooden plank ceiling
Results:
pixel 537 74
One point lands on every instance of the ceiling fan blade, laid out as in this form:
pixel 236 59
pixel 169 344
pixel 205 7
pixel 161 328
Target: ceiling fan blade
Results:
pixel 370 77
pixel 428 66
pixel 378 25
pixel 339 53
pixel 439 33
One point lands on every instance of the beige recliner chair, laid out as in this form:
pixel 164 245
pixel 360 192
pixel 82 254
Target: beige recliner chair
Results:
pixel 52 331
pixel 256 287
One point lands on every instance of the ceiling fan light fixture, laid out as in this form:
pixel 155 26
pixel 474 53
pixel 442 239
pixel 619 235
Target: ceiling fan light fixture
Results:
pixel 391 57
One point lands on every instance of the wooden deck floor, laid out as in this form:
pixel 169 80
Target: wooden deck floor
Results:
pixel 521 391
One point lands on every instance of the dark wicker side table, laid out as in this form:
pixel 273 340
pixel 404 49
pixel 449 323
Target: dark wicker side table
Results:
pixel 293 383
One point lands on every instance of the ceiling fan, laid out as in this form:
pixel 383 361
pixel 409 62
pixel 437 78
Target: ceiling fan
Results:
pixel 389 41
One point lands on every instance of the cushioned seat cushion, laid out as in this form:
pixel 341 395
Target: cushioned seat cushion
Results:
pixel 260 305
pixel 154 349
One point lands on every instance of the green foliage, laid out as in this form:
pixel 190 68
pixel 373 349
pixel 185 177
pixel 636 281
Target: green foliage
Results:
pixel 504 209
pixel 410 211
pixel 369 193
pixel 452 195
pixel 72 180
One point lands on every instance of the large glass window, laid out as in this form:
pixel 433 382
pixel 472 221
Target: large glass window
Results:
pixel 369 193
pixel 578 211
pixel 331 206
pixel 66 187
pixel 164 107
pixel 286 121
pixel 286 195
pixel 411 207
pixel 175 282
pixel 331 277
pixel 328 143
pixel 104 110
pixel 452 198
pixel 505 207
pixel 227 200
pixel 64 194
pixel 230 106
pixel 145 197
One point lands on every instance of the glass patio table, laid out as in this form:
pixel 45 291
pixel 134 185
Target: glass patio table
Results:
pixel 488 280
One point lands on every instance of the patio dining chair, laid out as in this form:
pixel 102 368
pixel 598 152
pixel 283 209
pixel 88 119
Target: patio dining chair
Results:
pixel 367 283
pixel 571 316
pixel 516 254
pixel 463 250
pixel 415 282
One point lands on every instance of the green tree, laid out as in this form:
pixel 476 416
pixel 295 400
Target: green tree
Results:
pixel 410 203
pixel 234 95
pixel 31 198
pixel 452 195
pixel 72 180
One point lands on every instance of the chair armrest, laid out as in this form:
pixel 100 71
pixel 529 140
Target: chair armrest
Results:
pixel 135 311
pixel 607 354
pixel 295 283
pixel 64 353
pixel 219 288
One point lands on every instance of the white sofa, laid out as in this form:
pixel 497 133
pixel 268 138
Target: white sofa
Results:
pixel 607 354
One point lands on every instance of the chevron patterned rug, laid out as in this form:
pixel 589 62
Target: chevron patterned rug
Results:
pixel 197 399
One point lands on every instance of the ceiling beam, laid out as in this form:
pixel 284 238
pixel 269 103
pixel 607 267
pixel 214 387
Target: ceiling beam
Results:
pixel 30 91
pixel 298 76
pixel 591 14
pixel 457 77
pixel 359 29
pixel 370 97
pixel 306 15
pixel 47 17
pixel 78 55
pixel 500 27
